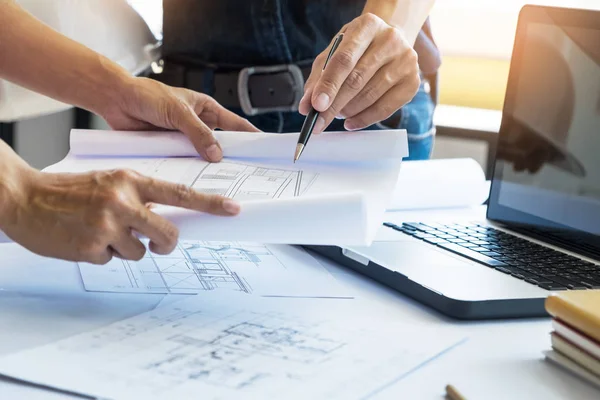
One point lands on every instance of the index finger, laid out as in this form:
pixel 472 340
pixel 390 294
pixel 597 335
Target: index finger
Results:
pixel 227 120
pixel 342 62
pixel 179 195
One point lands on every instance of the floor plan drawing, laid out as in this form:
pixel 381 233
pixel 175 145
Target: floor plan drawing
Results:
pixel 229 357
pixel 246 182
pixel 232 347
pixel 204 266
pixel 194 266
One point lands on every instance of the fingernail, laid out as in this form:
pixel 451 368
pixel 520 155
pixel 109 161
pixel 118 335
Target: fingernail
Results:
pixel 351 125
pixel 319 125
pixel 214 153
pixel 322 102
pixel 340 117
pixel 231 206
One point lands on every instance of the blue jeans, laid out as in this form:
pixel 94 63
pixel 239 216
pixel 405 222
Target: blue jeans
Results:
pixel 234 34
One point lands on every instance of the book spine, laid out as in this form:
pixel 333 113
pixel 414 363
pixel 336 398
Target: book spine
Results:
pixel 575 316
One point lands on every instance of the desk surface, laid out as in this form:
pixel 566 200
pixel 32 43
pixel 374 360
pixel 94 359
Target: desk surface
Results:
pixel 501 359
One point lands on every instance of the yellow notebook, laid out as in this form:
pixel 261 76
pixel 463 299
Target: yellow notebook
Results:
pixel 580 309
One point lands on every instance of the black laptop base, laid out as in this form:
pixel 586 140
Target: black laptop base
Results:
pixel 459 309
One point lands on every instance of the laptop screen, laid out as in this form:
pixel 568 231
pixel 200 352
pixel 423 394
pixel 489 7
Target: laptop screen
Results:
pixel 547 171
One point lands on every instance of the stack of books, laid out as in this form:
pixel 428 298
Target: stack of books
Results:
pixel 576 334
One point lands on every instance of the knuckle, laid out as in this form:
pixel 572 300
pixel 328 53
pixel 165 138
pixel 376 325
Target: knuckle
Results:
pixel 371 95
pixel 412 57
pixel 395 36
pixel 344 59
pixel 386 110
pixel 124 175
pixel 214 203
pixel 108 200
pixel 183 193
pixel 389 78
pixel 142 215
pixel 370 19
pixel 356 79
pixel 173 109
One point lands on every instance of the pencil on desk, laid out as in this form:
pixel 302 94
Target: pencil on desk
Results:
pixel 453 394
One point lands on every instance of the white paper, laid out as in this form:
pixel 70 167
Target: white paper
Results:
pixel 336 194
pixel 349 147
pixel 444 183
pixel 202 267
pixel 42 300
pixel 235 347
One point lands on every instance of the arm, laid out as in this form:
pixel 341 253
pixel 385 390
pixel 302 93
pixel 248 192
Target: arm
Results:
pixel 374 72
pixel 405 15
pixel 92 216
pixel 35 56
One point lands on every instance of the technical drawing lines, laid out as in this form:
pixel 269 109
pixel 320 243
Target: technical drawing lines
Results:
pixel 229 357
pixel 194 266
pixel 246 182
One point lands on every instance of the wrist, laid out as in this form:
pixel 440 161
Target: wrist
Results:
pixel 112 88
pixel 17 177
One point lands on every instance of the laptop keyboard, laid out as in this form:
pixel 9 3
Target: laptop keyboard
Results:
pixel 525 260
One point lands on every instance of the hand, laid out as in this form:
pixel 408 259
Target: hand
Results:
pixel 371 75
pixel 91 217
pixel 147 104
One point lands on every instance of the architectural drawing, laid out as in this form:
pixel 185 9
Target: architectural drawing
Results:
pixel 246 182
pixel 234 346
pixel 193 267
pixel 238 355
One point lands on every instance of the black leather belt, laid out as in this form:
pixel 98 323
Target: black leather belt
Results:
pixel 254 90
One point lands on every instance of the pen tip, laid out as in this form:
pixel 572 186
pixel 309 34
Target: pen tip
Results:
pixel 299 149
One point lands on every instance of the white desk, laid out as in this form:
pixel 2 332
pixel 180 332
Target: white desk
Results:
pixel 499 360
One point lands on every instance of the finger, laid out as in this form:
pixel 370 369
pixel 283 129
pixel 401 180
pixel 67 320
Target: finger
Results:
pixel 304 106
pixel 315 73
pixel 217 116
pixel 373 69
pixel 179 195
pixel 357 39
pixel 185 119
pixel 380 110
pixel 162 233
pixel 399 74
pixel 100 257
pixel 157 248
pixel 129 247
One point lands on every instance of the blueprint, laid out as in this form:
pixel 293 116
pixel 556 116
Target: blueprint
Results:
pixel 247 182
pixel 200 266
pixel 335 195
pixel 236 347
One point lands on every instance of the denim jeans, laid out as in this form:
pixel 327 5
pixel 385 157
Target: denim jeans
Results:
pixel 233 34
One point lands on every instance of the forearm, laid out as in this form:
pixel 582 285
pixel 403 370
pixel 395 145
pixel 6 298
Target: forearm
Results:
pixel 37 57
pixel 406 15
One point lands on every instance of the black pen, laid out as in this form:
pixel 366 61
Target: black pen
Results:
pixel 311 117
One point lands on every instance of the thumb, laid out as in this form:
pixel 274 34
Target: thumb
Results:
pixel 199 133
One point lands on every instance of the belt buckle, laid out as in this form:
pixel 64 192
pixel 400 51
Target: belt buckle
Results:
pixel 244 95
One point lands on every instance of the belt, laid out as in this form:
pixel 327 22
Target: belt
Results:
pixel 254 90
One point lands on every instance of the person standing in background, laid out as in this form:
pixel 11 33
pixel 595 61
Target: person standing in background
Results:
pixel 263 59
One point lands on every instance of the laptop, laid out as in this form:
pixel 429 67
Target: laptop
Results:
pixel 542 232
